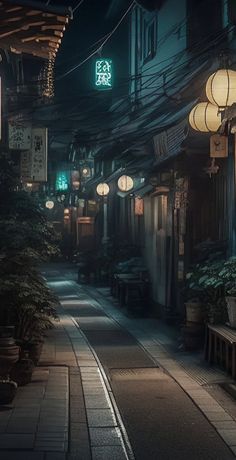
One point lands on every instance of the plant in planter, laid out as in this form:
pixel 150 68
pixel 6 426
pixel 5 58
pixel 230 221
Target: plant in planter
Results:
pixel 212 283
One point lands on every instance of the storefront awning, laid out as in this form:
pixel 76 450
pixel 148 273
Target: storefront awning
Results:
pixel 32 27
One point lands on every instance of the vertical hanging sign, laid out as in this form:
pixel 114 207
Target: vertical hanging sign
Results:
pixel 0 108
pixel 19 133
pixel 39 154
pixel 103 73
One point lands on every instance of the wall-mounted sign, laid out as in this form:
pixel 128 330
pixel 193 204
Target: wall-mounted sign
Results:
pixel 138 207
pixel 39 154
pixel 103 73
pixel 218 146
pixel 19 134
pixel 62 180
pixel 34 160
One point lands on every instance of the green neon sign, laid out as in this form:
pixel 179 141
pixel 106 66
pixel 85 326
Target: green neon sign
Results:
pixel 62 180
pixel 103 73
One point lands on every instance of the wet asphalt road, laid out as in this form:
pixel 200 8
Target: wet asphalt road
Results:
pixel 162 422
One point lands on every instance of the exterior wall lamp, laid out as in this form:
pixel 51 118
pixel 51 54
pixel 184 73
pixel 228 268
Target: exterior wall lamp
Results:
pixel 125 183
pixel 103 191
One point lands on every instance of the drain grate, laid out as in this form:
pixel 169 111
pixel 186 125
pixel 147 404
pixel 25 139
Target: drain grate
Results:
pixel 137 373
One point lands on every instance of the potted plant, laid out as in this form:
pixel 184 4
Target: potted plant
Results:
pixel 214 283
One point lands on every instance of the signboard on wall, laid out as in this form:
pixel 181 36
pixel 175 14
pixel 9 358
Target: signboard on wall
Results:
pixel 33 163
pixel 19 134
pixel 39 154
pixel 138 206
pixel 218 146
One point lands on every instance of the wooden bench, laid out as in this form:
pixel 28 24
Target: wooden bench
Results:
pixel 220 347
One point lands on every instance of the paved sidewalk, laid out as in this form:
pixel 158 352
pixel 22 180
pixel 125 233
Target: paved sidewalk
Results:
pixel 68 411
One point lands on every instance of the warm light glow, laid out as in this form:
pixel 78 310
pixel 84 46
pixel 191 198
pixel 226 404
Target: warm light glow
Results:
pixel 66 211
pixel 76 184
pixel 103 189
pixel 205 117
pixel 221 87
pixel 125 183
pixel 49 204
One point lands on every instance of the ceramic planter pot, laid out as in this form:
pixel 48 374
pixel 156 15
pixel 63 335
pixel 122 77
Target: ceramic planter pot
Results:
pixel 8 390
pixel 231 308
pixel 22 371
pixel 9 351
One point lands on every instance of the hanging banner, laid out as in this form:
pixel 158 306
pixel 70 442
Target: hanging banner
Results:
pixel 19 134
pixel 39 154
pixel 218 146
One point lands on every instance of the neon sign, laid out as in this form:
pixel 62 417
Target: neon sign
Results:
pixel 103 73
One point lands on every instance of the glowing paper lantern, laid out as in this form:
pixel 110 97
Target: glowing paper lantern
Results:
pixel 102 189
pixel 205 117
pixel 49 204
pixel 125 183
pixel 221 87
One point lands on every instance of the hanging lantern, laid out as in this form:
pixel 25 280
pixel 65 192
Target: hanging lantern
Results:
pixel 205 117
pixel 102 189
pixel 221 87
pixel 49 204
pixel 125 183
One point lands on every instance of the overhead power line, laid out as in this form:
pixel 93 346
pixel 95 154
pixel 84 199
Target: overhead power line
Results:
pixel 99 48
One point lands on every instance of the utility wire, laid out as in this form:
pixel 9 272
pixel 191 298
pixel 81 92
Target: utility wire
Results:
pixel 100 47
pixel 77 6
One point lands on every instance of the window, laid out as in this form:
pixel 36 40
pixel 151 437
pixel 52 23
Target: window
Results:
pixel 149 39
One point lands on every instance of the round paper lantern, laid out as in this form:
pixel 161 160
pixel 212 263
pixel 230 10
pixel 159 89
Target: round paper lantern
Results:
pixel 125 183
pixel 103 189
pixel 205 117
pixel 49 204
pixel 221 87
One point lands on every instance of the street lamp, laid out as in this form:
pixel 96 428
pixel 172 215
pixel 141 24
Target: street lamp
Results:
pixel 103 191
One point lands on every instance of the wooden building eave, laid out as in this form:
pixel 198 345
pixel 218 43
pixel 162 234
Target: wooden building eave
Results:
pixel 27 29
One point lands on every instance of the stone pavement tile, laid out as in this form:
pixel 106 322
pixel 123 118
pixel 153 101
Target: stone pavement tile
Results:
pixel 96 402
pixel 23 455
pixel 55 456
pixel 46 445
pixel 233 450
pixel 109 453
pixel 81 453
pixel 218 416
pixel 101 418
pixel 23 427
pixel 52 428
pixel 105 436
pixel 229 436
pixel 225 425
pixel 93 390
pixel 52 435
pixel 19 441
